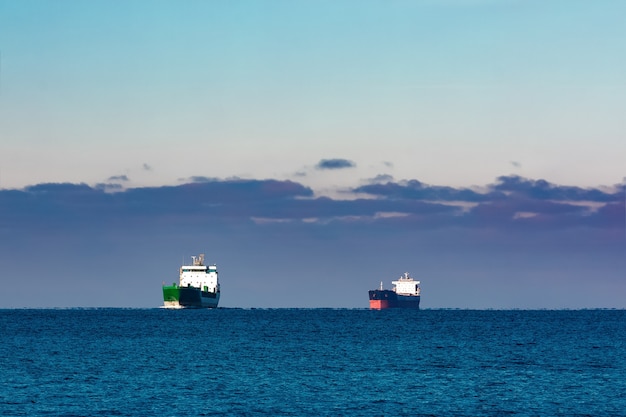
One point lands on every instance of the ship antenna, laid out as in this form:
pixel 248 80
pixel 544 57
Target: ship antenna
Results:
pixel 381 285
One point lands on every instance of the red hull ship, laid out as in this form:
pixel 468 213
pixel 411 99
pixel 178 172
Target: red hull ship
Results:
pixel 404 294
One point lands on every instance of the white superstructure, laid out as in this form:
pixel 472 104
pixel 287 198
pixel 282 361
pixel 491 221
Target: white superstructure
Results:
pixel 406 285
pixel 199 275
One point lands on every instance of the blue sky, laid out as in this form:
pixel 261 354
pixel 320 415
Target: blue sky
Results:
pixel 313 149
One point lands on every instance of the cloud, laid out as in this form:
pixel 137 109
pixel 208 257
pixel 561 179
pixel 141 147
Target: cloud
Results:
pixel 109 187
pixel 543 190
pixel 380 179
pixel 120 178
pixel 512 202
pixel 416 190
pixel 198 179
pixel 509 203
pixel 334 164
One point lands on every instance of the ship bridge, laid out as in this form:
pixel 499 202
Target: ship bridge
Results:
pixel 199 275
pixel 406 285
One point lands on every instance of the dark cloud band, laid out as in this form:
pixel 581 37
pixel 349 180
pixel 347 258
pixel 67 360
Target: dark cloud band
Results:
pixel 510 202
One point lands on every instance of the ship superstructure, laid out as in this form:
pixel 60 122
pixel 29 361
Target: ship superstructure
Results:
pixel 198 286
pixel 404 294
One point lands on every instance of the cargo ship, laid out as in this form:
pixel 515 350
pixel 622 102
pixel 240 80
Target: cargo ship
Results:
pixel 198 286
pixel 404 294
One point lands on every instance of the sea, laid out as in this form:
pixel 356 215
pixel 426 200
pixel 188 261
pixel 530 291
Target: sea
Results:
pixel 312 362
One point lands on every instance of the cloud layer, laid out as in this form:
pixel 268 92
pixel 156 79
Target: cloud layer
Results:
pixel 509 202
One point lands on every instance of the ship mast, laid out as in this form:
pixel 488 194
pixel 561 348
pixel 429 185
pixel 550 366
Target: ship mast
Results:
pixel 198 260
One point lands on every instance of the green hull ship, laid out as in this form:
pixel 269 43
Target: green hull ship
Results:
pixel 198 287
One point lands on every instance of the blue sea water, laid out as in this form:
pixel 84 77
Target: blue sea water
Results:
pixel 319 362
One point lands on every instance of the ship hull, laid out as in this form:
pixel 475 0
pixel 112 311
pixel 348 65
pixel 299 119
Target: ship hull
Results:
pixel 408 301
pixel 382 299
pixel 189 297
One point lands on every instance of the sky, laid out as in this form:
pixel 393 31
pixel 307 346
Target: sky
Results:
pixel 313 149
